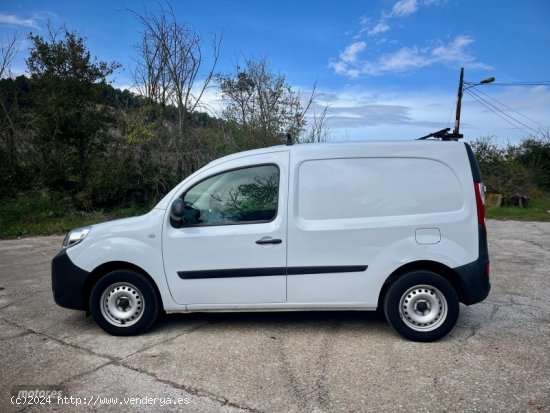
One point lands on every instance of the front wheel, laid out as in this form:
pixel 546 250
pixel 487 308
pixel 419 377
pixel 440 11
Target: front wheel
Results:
pixel 421 306
pixel 124 303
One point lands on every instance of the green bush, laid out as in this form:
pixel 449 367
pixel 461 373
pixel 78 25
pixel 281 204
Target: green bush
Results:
pixel 46 213
pixel 514 170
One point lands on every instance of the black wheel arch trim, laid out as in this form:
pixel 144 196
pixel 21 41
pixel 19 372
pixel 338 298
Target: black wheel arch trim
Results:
pixel 111 266
pixel 72 285
pixel 470 280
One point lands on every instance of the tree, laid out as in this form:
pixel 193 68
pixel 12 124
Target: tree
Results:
pixel 8 50
pixel 502 169
pixel 534 153
pixel 318 130
pixel 14 114
pixel 71 125
pixel 170 62
pixel 8 97
pixel 170 73
pixel 262 105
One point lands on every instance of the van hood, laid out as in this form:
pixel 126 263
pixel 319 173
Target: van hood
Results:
pixel 126 225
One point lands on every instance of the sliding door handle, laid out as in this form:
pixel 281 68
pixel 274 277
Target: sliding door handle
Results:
pixel 269 240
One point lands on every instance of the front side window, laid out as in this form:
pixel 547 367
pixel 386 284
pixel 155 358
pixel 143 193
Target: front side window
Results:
pixel 247 195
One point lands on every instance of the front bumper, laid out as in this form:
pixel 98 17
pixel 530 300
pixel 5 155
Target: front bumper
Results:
pixel 68 282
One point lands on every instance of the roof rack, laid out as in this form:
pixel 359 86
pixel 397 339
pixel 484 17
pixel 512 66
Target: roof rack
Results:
pixel 444 135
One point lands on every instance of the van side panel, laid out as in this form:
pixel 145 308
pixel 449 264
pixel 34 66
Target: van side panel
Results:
pixel 355 188
pixel 365 205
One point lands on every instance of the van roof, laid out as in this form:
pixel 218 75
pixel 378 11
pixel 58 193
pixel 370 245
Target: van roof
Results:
pixel 326 147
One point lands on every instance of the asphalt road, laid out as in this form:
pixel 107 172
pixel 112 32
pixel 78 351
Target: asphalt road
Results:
pixel 497 359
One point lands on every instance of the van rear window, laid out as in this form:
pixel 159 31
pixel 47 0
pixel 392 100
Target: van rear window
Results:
pixel 375 187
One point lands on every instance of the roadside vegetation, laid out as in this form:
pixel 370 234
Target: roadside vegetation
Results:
pixel 520 174
pixel 40 213
pixel 538 210
pixel 75 150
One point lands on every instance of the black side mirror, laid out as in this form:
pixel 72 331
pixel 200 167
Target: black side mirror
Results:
pixel 181 214
pixel 177 213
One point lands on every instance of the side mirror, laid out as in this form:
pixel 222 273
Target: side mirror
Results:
pixel 177 213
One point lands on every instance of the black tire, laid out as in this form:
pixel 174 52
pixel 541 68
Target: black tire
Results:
pixel 124 303
pixel 421 306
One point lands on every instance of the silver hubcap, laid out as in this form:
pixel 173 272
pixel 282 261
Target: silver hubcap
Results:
pixel 122 304
pixel 423 308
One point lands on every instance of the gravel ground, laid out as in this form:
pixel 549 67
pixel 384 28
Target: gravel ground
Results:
pixel 497 359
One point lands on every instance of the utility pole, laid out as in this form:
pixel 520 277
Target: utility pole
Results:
pixel 456 131
pixel 444 134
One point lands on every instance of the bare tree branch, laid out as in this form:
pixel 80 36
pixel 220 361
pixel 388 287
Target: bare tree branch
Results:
pixel 170 63
pixel 8 50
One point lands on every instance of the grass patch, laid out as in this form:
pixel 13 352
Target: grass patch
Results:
pixel 38 213
pixel 536 211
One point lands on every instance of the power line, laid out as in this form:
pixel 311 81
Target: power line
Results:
pixel 501 114
pixel 530 83
pixel 491 106
pixel 451 114
pixel 509 108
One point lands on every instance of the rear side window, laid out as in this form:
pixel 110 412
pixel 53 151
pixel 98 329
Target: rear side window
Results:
pixel 375 187
pixel 247 195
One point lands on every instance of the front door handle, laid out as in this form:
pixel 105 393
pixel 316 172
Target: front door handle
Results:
pixel 268 240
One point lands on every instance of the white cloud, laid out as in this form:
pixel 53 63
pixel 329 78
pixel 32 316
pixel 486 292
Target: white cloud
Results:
pixel 357 107
pixel 404 8
pixel 456 52
pixel 381 27
pixel 407 59
pixel 367 26
pixel 13 20
pixel 363 113
pixel 339 67
pixel 353 63
pixel 403 60
pixel 349 55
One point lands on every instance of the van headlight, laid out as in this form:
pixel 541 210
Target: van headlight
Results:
pixel 75 236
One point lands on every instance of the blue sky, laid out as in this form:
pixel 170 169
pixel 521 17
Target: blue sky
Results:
pixel 386 68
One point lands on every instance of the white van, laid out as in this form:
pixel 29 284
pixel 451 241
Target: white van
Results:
pixel 347 226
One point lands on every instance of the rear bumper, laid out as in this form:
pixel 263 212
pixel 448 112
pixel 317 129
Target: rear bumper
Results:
pixel 68 282
pixel 474 281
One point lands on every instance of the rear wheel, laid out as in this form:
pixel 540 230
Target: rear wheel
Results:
pixel 421 306
pixel 124 303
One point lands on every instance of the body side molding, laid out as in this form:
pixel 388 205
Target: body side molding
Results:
pixel 265 272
